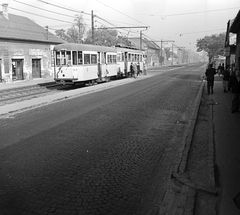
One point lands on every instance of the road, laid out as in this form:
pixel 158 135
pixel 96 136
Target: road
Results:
pixel 107 152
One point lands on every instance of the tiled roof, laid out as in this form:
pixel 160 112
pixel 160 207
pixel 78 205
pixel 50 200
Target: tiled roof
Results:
pixel 145 43
pixel 22 28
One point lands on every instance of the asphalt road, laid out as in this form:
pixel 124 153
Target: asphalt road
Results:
pixel 107 152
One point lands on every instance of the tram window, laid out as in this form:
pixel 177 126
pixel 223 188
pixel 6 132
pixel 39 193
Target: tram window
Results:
pixel 57 58
pixel 80 61
pixel 93 59
pixel 122 56
pixel 109 59
pixel 86 58
pixel 74 56
pixel 129 57
pixel 114 59
pixel 140 58
pixel 63 58
pixel 119 57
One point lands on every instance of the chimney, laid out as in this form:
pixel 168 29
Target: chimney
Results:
pixel 5 10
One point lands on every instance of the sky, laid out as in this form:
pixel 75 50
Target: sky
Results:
pixel 181 22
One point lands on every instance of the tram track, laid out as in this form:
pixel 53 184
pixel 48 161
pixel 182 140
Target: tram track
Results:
pixel 10 96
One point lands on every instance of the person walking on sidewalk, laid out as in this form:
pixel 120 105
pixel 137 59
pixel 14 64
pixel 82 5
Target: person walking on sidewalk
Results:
pixel 235 86
pixel 210 72
pixel 226 77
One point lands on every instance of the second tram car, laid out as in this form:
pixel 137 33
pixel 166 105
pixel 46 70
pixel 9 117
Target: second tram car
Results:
pixel 126 56
pixel 84 63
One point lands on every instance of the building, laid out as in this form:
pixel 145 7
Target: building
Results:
pixel 25 48
pixel 154 55
pixel 235 28
pixel 230 45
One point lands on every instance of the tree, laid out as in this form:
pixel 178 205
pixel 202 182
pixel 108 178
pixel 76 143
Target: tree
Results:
pixel 74 34
pixel 102 37
pixel 213 45
pixel 61 34
pixel 167 52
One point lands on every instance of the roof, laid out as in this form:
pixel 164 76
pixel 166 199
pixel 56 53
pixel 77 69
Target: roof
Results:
pixel 83 47
pixel 22 28
pixel 236 24
pixel 145 43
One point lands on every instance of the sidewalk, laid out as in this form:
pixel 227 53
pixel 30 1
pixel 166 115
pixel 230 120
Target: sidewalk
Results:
pixel 227 150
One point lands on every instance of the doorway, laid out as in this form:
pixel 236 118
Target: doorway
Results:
pixel 36 68
pixel 17 69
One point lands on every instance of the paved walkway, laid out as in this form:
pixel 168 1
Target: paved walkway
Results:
pixel 227 150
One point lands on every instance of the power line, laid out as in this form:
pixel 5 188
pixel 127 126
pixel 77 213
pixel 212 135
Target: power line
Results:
pixel 120 12
pixel 206 11
pixel 47 10
pixel 63 7
pixel 40 15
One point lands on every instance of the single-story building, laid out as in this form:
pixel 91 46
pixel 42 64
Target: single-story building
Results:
pixel 26 49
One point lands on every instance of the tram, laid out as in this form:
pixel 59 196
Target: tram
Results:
pixel 84 63
pixel 126 56
pixel 74 63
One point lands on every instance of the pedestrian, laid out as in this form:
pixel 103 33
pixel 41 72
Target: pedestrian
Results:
pixel 220 69
pixel 225 77
pixel 210 72
pixel 134 70
pixel 131 69
pixel 235 86
pixel 138 69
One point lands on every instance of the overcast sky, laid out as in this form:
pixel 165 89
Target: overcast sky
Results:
pixel 182 21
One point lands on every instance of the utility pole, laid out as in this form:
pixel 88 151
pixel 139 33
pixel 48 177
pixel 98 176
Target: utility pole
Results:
pixel 92 28
pixel 161 47
pixel 140 40
pixel 46 27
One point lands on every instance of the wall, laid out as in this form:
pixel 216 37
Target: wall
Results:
pixel 26 51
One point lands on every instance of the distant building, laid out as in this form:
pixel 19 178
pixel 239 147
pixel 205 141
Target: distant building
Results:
pixel 25 48
pixel 153 52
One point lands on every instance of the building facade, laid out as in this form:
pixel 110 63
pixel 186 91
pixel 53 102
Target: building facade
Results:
pixel 26 49
pixel 235 28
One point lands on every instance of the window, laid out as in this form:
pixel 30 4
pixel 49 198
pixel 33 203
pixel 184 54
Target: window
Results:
pixel 63 58
pixel 114 59
pixel 74 56
pixel 119 57
pixel 109 59
pixel 86 58
pixel 80 60
pixel 129 57
pixel 69 61
pixel 57 58
pixel 93 59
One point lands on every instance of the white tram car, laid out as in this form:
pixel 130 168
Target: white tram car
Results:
pixel 126 56
pixel 84 63
pixel 91 63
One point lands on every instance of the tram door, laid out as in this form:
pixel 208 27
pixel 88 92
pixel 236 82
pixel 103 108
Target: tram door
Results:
pixel 17 69
pixel 99 66
pixel 36 68
pixel 125 63
pixel 104 63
